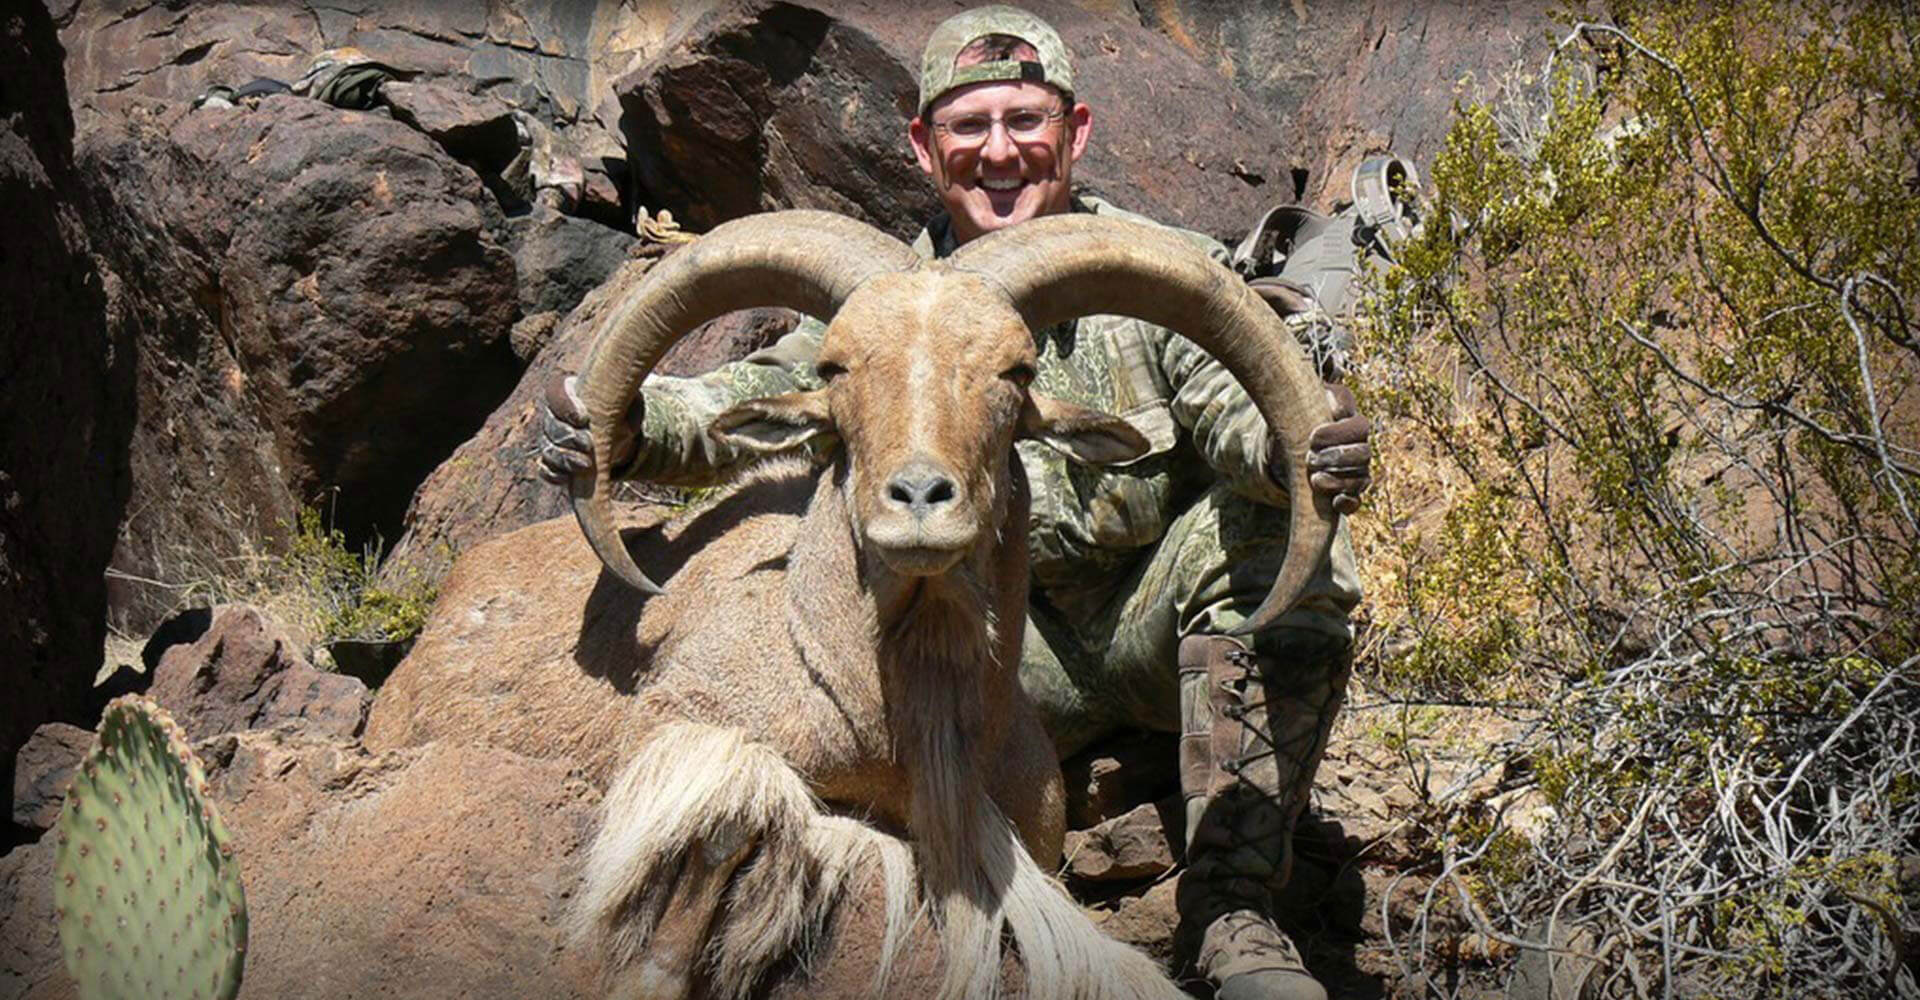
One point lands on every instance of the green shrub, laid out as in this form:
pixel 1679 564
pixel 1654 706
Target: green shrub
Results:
pixel 335 593
pixel 1651 450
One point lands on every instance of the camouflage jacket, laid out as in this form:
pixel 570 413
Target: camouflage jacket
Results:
pixel 1200 423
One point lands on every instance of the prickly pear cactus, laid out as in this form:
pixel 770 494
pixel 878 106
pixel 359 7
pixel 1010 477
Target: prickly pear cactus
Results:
pixel 146 885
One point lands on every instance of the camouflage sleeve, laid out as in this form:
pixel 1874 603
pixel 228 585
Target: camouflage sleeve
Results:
pixel 1227 431
pixel 674 447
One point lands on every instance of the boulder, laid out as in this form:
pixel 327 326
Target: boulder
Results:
pixel 66 412
pixel 42 770
pixel 473 128
pixel 1138 844
pixel 30 962
pixel 490 485
pixel 245 673
pixel 320 303
pixel 729 338
pixel 1276 54
pixel 559 258
pixel 763 104
pixel 760 106
pixel 444 871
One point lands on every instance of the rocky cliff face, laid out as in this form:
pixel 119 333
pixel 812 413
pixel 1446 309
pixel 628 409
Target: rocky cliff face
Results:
pixel 66 410
pixel 320 300
pixel 552 60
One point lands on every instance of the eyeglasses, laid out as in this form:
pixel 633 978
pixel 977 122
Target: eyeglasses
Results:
pixel 1022 125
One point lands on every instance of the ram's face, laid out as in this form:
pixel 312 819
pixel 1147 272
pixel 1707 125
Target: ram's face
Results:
pixel 927 376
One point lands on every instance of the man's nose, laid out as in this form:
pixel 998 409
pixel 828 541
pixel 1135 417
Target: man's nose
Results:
pixel 1000 146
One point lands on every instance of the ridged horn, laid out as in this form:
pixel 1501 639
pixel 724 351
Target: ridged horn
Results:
pixel 1065 266
pixel 804 260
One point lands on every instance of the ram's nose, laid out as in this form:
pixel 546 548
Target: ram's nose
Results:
pixel 922 489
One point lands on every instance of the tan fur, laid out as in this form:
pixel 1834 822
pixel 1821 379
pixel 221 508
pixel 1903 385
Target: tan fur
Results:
pixel 838 695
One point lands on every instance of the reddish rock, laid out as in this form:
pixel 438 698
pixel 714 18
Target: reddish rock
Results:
pixel 1145 921
pixel 321 307
pixel 30 964
pixel 762 104
pixel 473 128
pixel 491 485
pixel 729 338
pixel 1135 845
pixel 445 872
pixel 1276 54
pixel 1390 80
pixel 551 61
pixel 246 673
pixel 1350 79
pixel 430 872
pixel 43 769
pixel 759 106
pixel 532 55
pixel 424 873
pixel 559 259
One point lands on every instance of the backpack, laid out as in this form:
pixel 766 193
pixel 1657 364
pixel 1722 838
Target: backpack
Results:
pixel 346 78
pixel 1305 263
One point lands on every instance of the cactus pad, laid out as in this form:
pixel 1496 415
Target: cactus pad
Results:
pixel 146 886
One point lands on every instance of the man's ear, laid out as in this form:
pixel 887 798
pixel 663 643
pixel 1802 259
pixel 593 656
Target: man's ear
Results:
pixel 1081 118
pixel 775 423
pixel 1079 433
pixel 920 137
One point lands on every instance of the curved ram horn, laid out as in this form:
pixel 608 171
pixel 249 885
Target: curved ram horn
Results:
pixel 1064 266
pixel 804 260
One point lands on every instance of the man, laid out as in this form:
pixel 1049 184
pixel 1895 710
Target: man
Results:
pixel 1137 571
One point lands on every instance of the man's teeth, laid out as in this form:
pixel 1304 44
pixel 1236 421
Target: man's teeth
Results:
pixel 1007 184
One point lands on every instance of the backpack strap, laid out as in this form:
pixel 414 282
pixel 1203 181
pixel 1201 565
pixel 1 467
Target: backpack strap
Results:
pixel 1383 189
pixel 1273 238
pixel 260 87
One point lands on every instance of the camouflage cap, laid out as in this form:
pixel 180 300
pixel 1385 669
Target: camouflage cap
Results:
pixel 937 72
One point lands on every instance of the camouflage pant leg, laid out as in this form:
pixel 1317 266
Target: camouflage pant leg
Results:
pixel 1105 656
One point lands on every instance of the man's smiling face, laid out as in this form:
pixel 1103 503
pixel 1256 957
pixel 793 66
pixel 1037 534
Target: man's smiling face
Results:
pixel 992 181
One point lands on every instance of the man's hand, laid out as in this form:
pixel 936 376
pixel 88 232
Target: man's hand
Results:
pixel 566 446
pixel 1338 455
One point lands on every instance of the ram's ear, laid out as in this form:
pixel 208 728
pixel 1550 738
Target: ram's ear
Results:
pixel 1079 433
pixel 775 423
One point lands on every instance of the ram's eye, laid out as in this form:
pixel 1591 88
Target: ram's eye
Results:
pixel 1020 375
pixel 827 371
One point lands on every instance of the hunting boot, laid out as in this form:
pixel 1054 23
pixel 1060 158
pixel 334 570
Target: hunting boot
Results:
pixel 1253 728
